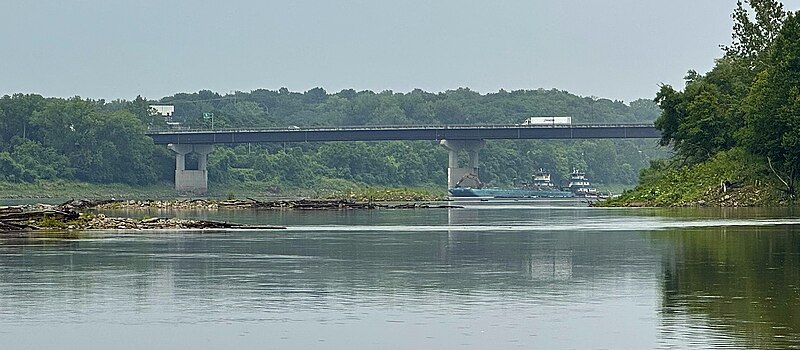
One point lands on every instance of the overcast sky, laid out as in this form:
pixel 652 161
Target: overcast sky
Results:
pixel 620 49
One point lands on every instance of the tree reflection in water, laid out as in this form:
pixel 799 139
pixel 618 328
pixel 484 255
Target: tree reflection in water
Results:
pixel 736 281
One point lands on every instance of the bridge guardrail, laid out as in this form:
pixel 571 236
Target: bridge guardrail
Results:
pixel 396 127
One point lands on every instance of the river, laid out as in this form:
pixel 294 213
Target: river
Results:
pixel 493 275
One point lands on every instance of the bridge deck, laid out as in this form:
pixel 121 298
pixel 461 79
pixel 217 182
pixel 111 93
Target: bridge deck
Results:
pixel 387 133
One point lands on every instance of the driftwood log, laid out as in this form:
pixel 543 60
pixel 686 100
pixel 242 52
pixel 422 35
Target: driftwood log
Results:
pixel 103 222
pixel 328 204
pixel 81 204
pixel 67 216
pixel 10 210
pixel 281 204
pixel 39 215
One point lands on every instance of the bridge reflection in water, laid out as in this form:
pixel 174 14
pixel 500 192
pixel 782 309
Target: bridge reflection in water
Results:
pixel 541 274
pixel 543 238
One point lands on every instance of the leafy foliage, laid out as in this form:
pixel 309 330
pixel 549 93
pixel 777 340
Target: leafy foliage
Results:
pixel 703 119
pixel 772 123
pixel 755 30
pixel 104 142
pixel 79 140
pixel 665 185
pixel 749 102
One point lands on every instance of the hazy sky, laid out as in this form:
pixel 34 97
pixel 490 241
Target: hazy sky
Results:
pixel 620 49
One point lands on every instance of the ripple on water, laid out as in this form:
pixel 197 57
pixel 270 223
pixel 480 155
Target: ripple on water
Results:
pixel 378 280
pixel 638 224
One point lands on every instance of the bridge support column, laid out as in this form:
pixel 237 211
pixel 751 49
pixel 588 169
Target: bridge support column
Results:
pixel 456 174
pixel 191 180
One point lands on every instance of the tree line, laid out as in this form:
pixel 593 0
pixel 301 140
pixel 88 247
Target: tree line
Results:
pixel 101 141
pixel 749 102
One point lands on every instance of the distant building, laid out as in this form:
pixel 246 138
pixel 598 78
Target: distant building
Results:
pixel 164 110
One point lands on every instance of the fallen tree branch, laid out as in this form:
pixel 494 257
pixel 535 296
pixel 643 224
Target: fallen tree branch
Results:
pixel 789 189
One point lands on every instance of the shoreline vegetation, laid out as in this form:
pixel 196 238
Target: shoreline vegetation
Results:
pixel 77 215
pixel 81 214
pixel 729 179
pixel 735 130
pixel 105 142
pixel 277 204
pixel 63 190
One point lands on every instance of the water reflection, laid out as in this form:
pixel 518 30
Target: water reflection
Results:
pixel 743 282
pixel 506 276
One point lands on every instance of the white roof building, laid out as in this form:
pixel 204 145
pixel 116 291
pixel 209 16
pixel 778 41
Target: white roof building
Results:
pixel 163 110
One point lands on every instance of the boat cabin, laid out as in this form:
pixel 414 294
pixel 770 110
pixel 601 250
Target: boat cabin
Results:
pixel 542 179
pixel 580 185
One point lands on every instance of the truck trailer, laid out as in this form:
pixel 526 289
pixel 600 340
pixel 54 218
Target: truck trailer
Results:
pixel 548 121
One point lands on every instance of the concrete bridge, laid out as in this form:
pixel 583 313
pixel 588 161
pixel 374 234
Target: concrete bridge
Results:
pixel 455 138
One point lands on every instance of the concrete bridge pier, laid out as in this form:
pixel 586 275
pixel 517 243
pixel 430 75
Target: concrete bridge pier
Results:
pixel 456 174
pixel 195 177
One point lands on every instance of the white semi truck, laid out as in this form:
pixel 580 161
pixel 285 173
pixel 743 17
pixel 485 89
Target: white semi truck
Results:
pixel 547 121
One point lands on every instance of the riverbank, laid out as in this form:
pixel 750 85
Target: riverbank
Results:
pixel 58 191
pixel 74 216
pixel 729 179
pixel 280 204
pixel 81 214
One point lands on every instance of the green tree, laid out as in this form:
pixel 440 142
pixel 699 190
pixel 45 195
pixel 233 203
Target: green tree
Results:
pixel 128 153
pixel 42 162
pixel 10 170
pixel 388 111
pixel 704 118
pixel 772 123
pixel 220 165
pixel 15 115
pixel 101 147
pixel 754 29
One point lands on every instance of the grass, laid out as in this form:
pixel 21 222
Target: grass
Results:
pixel 700 185
pixel 55 191
pixel 383 194
pixel 61 189
pixel 48 222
